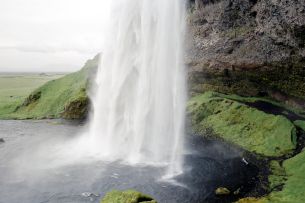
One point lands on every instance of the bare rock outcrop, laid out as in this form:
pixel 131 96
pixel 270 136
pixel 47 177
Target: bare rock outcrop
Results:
pixel 248 47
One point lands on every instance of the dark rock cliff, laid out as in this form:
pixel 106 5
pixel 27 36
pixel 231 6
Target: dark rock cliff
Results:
pixel 248 47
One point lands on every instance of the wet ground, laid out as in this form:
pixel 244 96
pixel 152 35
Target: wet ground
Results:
pixel 29 173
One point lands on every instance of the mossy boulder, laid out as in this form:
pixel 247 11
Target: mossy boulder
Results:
pixel 222 191
pixel 235 122
pixel 77 107
pixel 129 196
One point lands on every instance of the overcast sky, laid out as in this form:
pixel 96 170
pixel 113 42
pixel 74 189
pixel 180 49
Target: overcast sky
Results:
pixel 49 35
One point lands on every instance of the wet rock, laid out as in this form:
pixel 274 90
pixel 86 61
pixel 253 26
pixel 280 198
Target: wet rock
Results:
pixel 92 197
pixel 222 191
pixel 236 192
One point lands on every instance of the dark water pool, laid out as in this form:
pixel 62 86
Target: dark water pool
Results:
pixel 25 178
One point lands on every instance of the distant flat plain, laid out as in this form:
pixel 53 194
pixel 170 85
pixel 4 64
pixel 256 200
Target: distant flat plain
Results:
pixel 15 87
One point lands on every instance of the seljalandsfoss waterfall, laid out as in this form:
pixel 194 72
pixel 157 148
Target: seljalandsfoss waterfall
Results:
pixel 139 107
pixel 117 130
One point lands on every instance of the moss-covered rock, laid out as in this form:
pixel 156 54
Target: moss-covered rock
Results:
pixel 222 191
pixel 254 130
pixel 65 97
pixel 129 196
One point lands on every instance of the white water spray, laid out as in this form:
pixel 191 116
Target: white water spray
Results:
pixel 139 107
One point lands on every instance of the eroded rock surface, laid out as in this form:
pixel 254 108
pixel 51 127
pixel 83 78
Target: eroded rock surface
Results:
pixel 248 47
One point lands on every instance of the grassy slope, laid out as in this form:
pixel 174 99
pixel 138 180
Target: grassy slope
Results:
pixel 247 127
pixel 53 98
pixel 14 88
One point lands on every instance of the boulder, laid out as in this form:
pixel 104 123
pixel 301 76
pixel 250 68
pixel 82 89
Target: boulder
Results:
pixel 222 191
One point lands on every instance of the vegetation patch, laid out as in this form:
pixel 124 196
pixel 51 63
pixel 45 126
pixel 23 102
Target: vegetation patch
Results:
pixel 15 88
pixel 254 130
pixel 268 135
pixel 129 196
pixel 287 182
pixel 65 97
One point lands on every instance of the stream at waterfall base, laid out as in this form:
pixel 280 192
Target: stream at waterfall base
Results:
pixel 27 176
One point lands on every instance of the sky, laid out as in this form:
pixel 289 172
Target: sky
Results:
pixel 49 35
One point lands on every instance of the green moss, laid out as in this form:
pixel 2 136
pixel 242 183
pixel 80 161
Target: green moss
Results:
pixel 300 124
pixel 129 196
pixel 240 124
pixel 278 175
pixel 293 190
pixel 251 200
pixel 56 98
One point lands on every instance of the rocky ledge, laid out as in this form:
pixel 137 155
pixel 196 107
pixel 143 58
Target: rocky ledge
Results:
pixel 249 48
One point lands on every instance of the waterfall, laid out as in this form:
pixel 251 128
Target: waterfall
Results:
pixel 139 105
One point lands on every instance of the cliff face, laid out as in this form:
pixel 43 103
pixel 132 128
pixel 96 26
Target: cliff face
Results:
pixel 248 47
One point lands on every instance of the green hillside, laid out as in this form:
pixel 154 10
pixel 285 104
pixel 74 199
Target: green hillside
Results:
pixel 65 97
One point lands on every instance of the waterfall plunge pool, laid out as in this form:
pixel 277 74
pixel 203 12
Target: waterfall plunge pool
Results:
pixel 30 174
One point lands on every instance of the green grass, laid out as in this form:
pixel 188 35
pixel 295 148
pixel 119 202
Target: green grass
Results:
pixel 65 97
pixel 14 88
pixel 254 130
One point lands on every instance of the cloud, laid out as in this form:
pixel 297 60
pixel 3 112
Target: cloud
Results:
pixel 52 48
pixel 44 31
